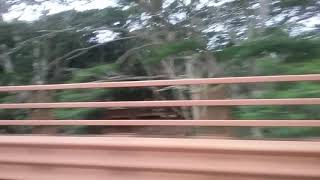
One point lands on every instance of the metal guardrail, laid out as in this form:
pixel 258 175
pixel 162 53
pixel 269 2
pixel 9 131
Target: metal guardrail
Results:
pixel 96 158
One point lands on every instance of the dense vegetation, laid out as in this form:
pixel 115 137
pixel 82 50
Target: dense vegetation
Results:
pixel 234 38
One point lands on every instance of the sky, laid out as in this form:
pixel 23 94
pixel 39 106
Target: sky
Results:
pixel 31 13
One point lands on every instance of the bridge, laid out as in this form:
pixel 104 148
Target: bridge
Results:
pixel 44 157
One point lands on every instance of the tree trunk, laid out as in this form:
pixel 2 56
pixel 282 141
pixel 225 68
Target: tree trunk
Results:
pixel 206 92
pixel 169 68
pixel 215 113
pixel 5 60
pixel 40 72
pixel 195 90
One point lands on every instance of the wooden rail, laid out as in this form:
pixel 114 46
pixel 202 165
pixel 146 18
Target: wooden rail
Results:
pixel 96 158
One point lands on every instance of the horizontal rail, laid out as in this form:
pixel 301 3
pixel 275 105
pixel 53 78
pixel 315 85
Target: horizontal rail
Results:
pixel 225 80
pixel 95 158
pixel 177 144
pixel 177 103
pixel 227 123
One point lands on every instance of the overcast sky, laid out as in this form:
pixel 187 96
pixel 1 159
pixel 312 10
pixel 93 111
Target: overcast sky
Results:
pixel 31 13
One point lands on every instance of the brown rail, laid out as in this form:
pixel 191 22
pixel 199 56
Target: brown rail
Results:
pixel 96 158
pixel 186 103
pixel 163 143
pixel 225 80
pixel 227 123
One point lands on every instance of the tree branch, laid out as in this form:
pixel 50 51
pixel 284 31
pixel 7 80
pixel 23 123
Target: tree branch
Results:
pixel 124 57
pixel 25 42
pixel 78 52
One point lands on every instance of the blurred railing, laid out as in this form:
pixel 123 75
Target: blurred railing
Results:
pixel 173 103
pixel 96 158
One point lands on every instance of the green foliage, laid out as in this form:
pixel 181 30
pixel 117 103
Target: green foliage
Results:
pixel 77 113
pixel 155 55
pixel 290 3
pixel 277 53
pixel 93 73
pixel 80 96
pixel 90 18
pixel 287 90
pixel 6 78
pixel 278 112
pixel 99 18
pixel 307 66
pixel 292 132
pixel 276 66
pixel 295 49
pixel 11 33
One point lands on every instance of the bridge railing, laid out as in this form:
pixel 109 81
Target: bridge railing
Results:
pixel 169 103
pixel 125 158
